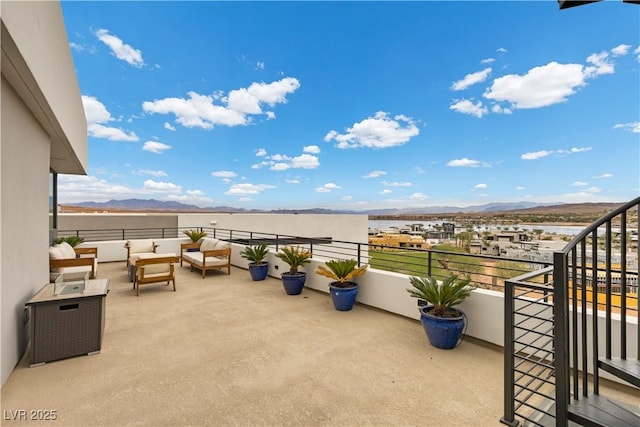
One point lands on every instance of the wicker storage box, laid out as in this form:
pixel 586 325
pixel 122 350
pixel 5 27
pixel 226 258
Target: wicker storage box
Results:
pixel 66 326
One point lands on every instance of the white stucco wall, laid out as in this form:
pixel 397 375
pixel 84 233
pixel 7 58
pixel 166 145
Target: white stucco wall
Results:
pixel 24 221
pixel 43 127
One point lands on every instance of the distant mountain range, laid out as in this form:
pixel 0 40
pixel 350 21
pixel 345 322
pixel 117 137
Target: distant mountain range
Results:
pixel 163 206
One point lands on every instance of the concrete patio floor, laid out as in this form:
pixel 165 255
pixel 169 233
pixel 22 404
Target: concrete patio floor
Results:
pixel 226 351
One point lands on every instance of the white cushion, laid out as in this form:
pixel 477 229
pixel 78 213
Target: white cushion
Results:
pixel 136 246
pixel 54 253
pixel 196 258
pixel 66 250
pixel 222 245
pixel 154 268
pixel 82 268
pixel 208 244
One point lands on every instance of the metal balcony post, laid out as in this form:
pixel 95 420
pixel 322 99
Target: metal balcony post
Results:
pixel 508 417
pixel 560 337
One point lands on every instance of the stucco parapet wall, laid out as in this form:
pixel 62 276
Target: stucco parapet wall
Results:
pixel 36 61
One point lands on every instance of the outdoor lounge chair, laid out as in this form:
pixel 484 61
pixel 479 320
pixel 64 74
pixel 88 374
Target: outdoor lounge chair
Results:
pixel 137 247
pixel 63 258
pixel 155 269
pixel 209 254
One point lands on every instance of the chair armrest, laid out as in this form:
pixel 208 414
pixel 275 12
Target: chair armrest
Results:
pixel 155 246
pixel 73 262
pixel 157 260
pixel 218 252
pixel 87 251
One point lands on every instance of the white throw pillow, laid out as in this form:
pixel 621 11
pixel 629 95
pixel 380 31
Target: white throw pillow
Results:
pixel 223 245
pixel 54 253
pixel 208 244
pixel 137 246
pixel 66 250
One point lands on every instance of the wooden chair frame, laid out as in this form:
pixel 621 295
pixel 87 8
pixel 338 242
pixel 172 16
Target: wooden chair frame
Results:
pixel 78 261
pixel 221 253
pixel 140 278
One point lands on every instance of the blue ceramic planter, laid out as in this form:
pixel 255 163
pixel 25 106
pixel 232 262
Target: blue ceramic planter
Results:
pixel 258 272
pixel 343 298
pixel 293 283
pixel 443 332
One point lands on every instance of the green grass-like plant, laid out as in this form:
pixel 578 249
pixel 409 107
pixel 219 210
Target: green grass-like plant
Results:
pixel 195 235
pixel 342 271
pixel 256 254
pixel 295 256
pixel 71 240
pixel 444 297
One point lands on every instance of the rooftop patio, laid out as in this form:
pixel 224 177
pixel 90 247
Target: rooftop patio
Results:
pixel 229 351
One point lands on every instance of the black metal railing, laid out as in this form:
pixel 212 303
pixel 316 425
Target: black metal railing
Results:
pixel 528 350
pixel 577 302
pixel 553 340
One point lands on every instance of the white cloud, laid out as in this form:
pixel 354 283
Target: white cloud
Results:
pixel 155 147
pixel 224 174
pixel 487 60
pixel 544 153
pixel 305 161
pixel 536 155
pixel 631 127
pixel 379 131
pixel 603 176
pixel 163 187
pixel 196 197
pixel 149 172
pixel 501 50
pixel 260 65
pixel 418 196
pixel 311 149
pixel 464 163
pixel 386 191
pixel 419 170
pixel 471 79
pixel 235 109
pixel 374 174
pixel 621 50
pixel 481 186
pixel 579 184
pixel 593 190
pixel 120 49
pixel 168 126
pixel 326 188
pixel 292 181
pixel 96 114
pixel 637 52
pixel 82 188
pixel 397 184
pixel 248 189
pixel 600 65
pixel 261 152
pixel 520 188
pixel 467 106
pixel 539 87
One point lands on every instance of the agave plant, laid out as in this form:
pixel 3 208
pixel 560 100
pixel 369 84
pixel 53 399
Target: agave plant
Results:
pixel 256 254
pixel 195 235
pixel 443 296
pixel 342 271
pixel 295 256
pixel 71 240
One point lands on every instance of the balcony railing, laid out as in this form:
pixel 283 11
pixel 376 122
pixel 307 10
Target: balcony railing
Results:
pixel 485 271
pixel 563 336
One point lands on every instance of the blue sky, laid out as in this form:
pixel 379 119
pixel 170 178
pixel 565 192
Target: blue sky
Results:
pixel 357 105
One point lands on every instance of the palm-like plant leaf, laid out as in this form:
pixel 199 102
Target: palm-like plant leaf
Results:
pixel 443 296
pixel 256 254
pixel 295 256
pixel 195 235
pixel 342 270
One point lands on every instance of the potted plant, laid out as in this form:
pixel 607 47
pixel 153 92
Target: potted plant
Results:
pixel 293 280
pixel 195 235
pixel 442 323
pixel 343 289
pixel 73 241
pixel 258 267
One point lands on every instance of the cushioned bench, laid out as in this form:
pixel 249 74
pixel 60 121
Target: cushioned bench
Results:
pixel 209 254
pixel 63 258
